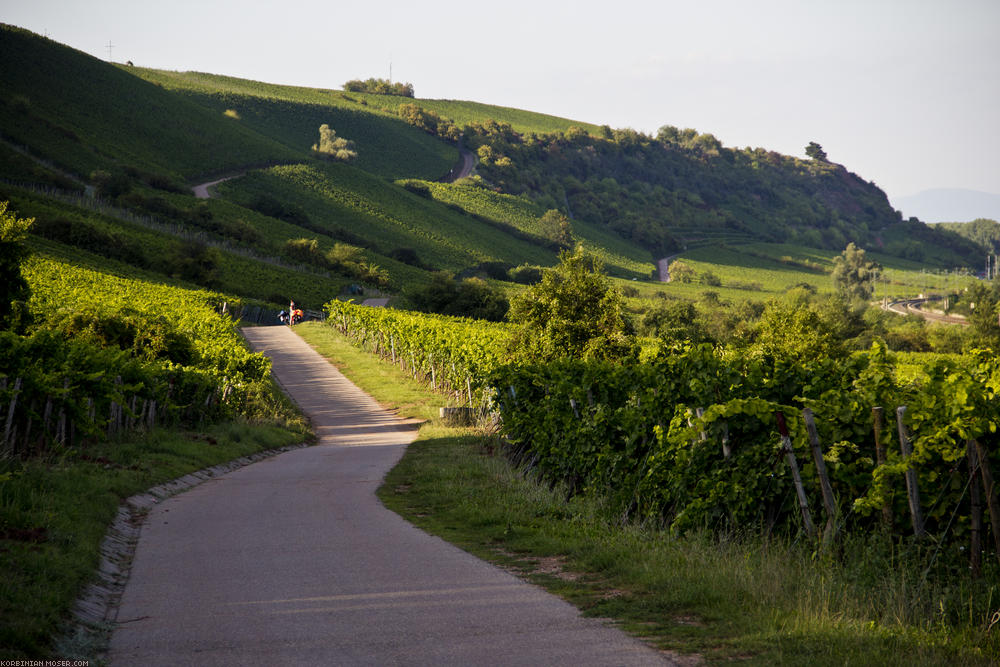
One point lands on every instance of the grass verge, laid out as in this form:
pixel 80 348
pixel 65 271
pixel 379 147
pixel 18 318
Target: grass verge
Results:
pixel 392 387
pixel 55 512
pixel 736 597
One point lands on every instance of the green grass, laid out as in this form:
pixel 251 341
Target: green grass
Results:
pixel 392 387
pixel 620 257
pixel 55 512
pixel 461 112
pixel 760 271
pixel 386 145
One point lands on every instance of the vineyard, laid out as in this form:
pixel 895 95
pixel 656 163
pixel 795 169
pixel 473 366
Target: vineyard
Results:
pixel 108 355
pixel 387 217
pixel 455 355
pixel 697 437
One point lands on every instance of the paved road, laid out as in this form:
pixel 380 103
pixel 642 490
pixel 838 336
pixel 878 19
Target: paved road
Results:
pixel 915 307
pixel 293 561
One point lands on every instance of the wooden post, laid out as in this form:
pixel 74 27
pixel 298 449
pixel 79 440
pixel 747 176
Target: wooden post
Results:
pixel 975 512
pixel 824 480
pixel 468 388
pixel 413 365
pixel 392 344
pixel 786 443
pixel 912 490
pixel 878 421
pixel 991 494
pixel 9 422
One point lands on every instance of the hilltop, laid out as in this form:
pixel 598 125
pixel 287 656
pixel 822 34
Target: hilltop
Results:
pixel 119 147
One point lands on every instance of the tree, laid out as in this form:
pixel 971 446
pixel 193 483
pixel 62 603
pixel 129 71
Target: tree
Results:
pixel 574 312
pixel 681 272
pixel 984 318
pixel 853 274
pixel 14 290
pixel 471 297
pixel 674 319
pixel 336 147
pixel 816 152
pixel 556 227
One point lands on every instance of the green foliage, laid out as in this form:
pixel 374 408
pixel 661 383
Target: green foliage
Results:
pixel 14 291
pixel 430 122
pixel 350 205
pixel 379 87
pixel 632 434
pixel 332 146
pixel 681 271
pixel 557 228
pixel 470 297
pixel 673 320
pixel 573 312
pixel 461 351
pixel 195 262
pixel 983 232
pixel 815 151
pixel 984 318
pixel 854 274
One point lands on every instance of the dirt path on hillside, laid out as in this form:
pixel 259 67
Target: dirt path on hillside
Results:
pixel 293 560
pixel 466 165
pixel 201 191
pixel 664 267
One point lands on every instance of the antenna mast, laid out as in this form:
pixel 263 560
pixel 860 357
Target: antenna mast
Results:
pixel 109 46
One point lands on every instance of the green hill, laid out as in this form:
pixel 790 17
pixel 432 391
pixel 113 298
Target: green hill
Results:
pixel 81 114
pixel 291 223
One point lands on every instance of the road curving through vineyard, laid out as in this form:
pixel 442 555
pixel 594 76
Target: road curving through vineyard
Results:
pixel 294 560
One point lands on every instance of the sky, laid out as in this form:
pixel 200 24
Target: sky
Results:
pixel 905 93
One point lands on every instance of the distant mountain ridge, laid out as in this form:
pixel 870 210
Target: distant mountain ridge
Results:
pixel 950 205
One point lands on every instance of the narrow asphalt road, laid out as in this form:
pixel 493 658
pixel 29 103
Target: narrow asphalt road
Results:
pixel 293 561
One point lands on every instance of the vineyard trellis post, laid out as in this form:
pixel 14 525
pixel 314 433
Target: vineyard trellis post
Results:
pixel 9 422
pixel 990 492
pixel 975 512
pixel 878 422
pixel 829 504
pixel 912 489
pixel 800 491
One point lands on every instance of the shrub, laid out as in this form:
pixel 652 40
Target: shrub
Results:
pixel 330 145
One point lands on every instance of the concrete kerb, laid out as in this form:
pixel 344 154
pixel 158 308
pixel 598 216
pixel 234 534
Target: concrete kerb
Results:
pixel 96 610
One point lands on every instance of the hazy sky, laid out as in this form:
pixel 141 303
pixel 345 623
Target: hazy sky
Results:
pixel 904 92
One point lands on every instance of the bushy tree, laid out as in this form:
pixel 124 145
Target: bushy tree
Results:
pixel 816 152
pixel 195 262
pixel 854 275
pixel 14 290
pixel 429 121
pixel 471 297
pixel 674 319
pixel 574 312
pixel 984 318
pixel 681 272
pixel 379 87
pixel 556 227
pixel 333 146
